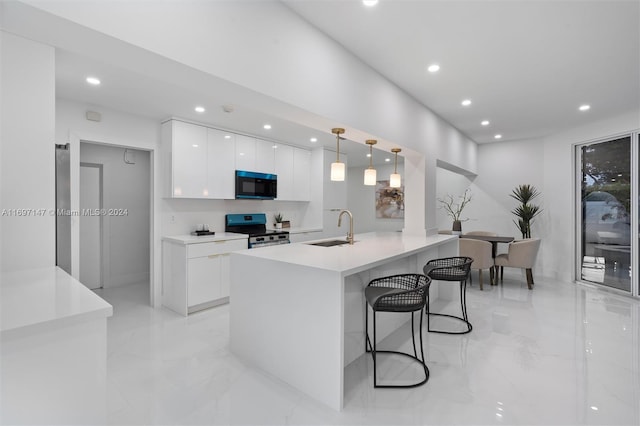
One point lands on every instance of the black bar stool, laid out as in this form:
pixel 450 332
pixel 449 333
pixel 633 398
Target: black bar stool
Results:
pixel 450 269
pixel 397 293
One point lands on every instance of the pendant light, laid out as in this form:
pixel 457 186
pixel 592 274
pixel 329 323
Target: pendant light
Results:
pixel 370 173
pixel 337 168
pixel 395 181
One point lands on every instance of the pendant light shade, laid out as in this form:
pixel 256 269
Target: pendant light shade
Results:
pixel 395 181
pixel 370 177
pixel 337 171
pixel 370 173
pixel 337 168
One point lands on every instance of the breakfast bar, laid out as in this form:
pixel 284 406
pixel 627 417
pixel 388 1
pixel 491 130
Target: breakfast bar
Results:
pixel 297 310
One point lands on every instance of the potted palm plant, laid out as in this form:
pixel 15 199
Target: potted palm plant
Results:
pixel 526 211
pixel 454 209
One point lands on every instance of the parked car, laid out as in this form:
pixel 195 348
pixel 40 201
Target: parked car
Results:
pixel 606 219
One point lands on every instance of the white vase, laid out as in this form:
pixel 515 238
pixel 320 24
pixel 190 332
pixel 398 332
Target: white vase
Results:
pixel 279 225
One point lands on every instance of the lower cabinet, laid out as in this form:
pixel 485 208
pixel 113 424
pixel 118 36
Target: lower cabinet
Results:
pixel 196 276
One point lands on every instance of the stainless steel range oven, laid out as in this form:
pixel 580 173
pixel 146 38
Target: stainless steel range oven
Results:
pixel 255 225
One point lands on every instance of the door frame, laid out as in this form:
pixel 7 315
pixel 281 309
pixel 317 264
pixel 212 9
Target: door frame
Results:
pixel 103 251
pixel 634 214
pixel 155 197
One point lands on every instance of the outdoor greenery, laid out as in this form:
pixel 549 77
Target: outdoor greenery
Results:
pixel 605 170
pixel 526 211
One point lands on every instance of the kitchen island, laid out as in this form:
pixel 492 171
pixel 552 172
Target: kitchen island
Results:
pixel 53 349
pixel 297 310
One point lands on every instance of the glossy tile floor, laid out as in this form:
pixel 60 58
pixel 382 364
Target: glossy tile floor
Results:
pixel 560 354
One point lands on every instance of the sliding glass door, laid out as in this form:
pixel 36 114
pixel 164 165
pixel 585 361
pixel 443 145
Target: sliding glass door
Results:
pixel 605 213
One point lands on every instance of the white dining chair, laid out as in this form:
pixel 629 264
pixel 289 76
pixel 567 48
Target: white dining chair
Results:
pixel 522 254
pixel 481 253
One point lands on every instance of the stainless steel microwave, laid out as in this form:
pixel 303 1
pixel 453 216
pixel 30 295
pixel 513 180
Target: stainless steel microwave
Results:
pixel 256 186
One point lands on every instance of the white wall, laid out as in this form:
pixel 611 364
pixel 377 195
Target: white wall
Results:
pixel 548 164
pixel 559 190
pixel 291 53
pixel 28 158
pixel 125 249
pixel 362 200
pixel 454 184
pixel 124 130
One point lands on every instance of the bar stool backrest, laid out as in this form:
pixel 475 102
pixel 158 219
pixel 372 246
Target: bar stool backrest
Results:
pixel 449 268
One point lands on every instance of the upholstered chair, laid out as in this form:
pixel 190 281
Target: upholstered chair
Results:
pixel 522 254
pixel 485 233
pixel 480 252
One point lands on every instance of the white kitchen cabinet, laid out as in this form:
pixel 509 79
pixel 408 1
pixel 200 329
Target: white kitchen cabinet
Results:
pixel 254 155
pixel 265 156
pixel 185 146
pixel 302 175
pixel 220 164
pixel 284 170
pixel 292 165
pixel 200 162
pixel 195 275
pixel 245 150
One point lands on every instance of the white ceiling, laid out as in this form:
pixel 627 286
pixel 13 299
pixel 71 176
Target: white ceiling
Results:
pixel 526 65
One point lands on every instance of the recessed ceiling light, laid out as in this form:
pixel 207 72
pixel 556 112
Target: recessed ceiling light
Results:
pixel 584 107
pixel 387 159
pixel 369 2
pixel 485 122
pixel 199 109
pixel 267 126
pixel 594 408
pixel 466 102
pixel 368 155
pixel 195 145
pixel 314 139
pixel 433 68
pixel 498 136
pixel 227 136
pixel 93 80
pixel 274 147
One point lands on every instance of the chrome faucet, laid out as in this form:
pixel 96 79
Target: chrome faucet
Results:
pixel 350 234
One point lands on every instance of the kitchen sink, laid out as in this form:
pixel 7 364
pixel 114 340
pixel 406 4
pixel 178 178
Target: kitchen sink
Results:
pixel 329 243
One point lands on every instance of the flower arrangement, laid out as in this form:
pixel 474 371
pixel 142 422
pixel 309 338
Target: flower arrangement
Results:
pixel 454 209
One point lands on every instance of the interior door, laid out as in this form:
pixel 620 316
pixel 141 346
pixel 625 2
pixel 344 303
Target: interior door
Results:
pixel 90 225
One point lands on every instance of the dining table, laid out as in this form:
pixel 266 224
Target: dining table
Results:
pixel 494 240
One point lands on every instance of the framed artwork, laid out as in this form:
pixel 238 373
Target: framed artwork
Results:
pixel 389 201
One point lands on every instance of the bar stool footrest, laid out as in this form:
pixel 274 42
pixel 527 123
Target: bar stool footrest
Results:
pixel 469 326
pixel 416 359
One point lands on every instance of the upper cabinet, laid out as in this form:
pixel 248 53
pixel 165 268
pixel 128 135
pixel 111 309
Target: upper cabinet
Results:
pixel 254 155
pixel 186 147
pixel 200 162
pixel 284 170
pixel 293 167
pixel 301 174
pixel 220 164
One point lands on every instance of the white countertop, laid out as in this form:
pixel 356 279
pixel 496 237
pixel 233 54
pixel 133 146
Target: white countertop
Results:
pixel 46 296
pixel 369 249
pixel 194 239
